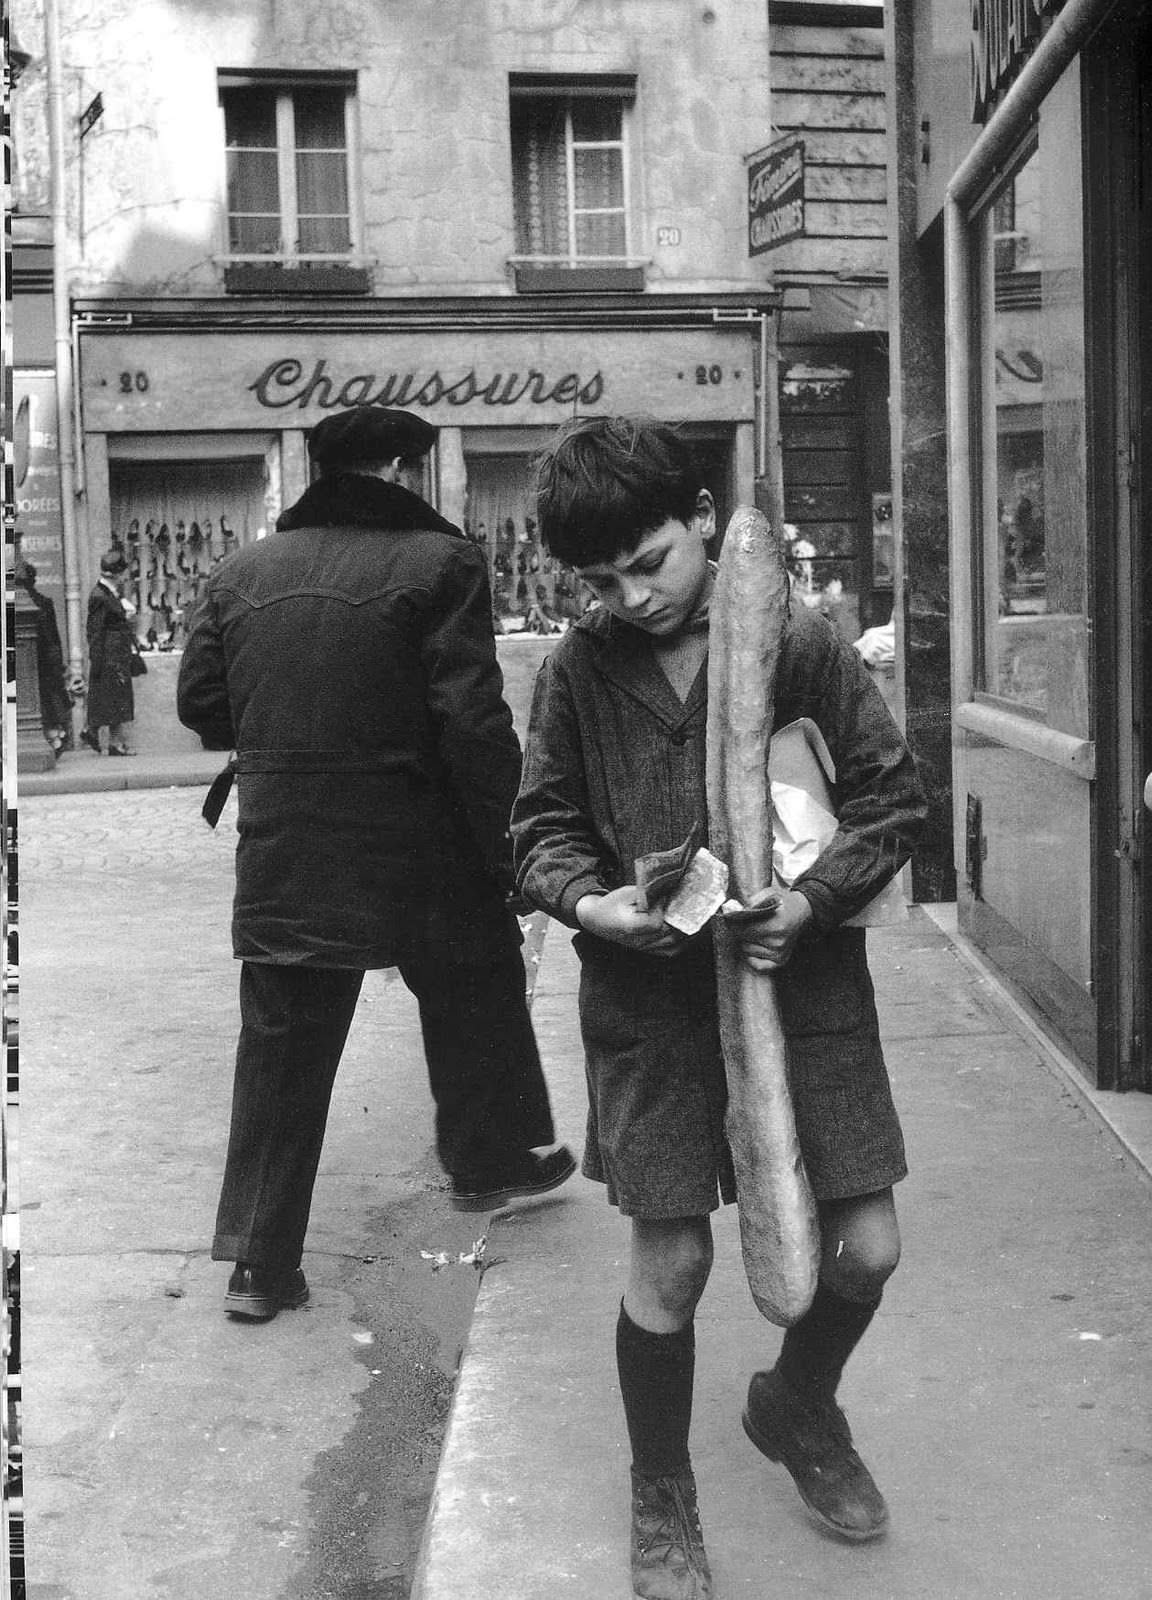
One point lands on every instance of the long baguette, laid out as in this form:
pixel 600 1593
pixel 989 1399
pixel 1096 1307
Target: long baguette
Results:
pixel 779 1229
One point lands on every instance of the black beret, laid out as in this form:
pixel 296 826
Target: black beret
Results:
pixel 369 434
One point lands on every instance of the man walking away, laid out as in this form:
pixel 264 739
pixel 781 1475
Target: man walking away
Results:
pixel 349 663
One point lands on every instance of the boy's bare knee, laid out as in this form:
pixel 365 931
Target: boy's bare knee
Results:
pixel 861 1248
pixel 670 1266
pixel 694 1263
pixel 870 1264
pixel 683 1272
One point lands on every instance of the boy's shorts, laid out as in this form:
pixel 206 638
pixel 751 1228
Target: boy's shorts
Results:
pixel 656 1088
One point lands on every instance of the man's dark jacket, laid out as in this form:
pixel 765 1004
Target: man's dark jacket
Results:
pixel 349 660
pixel 55 705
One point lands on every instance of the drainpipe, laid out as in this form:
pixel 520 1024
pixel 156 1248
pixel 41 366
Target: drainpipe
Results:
pixel 769 462
pixel 772 455
pixel 62 337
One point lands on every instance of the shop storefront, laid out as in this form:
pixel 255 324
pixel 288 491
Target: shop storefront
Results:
pixel 1046 295
pixel 837 494
pixel 819 193
pixel 195 421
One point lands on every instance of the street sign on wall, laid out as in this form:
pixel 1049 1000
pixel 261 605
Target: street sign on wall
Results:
pixel 91 114
pixel 776 195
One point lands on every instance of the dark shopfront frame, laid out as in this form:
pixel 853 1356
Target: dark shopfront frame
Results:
pixel 710 348
pixel 1118 148
pixel 1107 1022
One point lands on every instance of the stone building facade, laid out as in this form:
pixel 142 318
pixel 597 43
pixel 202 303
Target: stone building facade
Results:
pixel 497 213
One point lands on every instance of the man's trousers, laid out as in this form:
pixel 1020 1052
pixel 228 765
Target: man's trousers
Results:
pixel 483 1068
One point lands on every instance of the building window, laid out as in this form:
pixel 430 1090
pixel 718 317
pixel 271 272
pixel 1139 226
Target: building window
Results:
pixel 570 170
pixel 1030 493
pixel 288 149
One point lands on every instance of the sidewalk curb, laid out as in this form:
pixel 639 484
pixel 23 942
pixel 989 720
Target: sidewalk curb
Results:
pixel 108 775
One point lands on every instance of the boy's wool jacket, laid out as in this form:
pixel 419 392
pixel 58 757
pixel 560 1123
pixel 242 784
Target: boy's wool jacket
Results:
pixel 615 766
pixel 349 660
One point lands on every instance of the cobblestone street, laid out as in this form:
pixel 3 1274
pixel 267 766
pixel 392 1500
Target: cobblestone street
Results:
pixel 132 833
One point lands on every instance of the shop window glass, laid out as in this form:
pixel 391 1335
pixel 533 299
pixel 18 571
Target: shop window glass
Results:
pixel 287 170
pixel 1031 498
pixel 530 591
pixel 569 177
pixel 175 521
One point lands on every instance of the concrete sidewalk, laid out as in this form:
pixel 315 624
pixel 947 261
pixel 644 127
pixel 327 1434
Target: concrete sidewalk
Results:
pixel 1003 1396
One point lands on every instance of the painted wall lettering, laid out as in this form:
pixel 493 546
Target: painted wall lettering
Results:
pixel 284 383
pixel 470 378
pixel 1004 33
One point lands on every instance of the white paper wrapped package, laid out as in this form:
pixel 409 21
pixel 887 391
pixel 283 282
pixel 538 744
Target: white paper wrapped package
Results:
pixel 800 769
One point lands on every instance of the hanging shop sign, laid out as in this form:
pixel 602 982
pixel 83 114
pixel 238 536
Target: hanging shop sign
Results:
pixel 776 195
pixel 1004 34
pixel 150 383
pixel 91 114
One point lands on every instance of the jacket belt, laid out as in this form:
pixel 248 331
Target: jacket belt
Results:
pixel 292 761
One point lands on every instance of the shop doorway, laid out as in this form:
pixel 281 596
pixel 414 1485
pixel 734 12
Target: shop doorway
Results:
pixel 176 520
pixel 837 481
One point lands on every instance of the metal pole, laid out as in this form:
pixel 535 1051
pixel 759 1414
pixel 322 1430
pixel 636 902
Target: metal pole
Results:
pixel 62 336
pixel 957 290
pixel 762 380
pixel 1069 31
pixel 772 455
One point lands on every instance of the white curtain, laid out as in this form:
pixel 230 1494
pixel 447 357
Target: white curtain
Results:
pixel 175 521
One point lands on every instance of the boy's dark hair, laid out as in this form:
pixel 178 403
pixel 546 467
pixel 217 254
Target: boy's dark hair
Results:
pixel 604 482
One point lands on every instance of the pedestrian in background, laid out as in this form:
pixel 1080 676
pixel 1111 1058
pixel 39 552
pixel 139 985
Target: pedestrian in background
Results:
pixel 614 770
pixel 112 653
pixel 55 701
pixel 349 662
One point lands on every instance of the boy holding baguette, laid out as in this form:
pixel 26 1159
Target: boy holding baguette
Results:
pixel 615 770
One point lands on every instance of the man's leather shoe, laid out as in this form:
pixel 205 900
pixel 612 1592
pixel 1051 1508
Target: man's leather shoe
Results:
pixel 258 1293
pixel 530 1176
pixel 812 1439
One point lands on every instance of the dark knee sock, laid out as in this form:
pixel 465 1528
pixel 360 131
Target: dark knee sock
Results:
pixel 656 1372
pixel 816 1348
